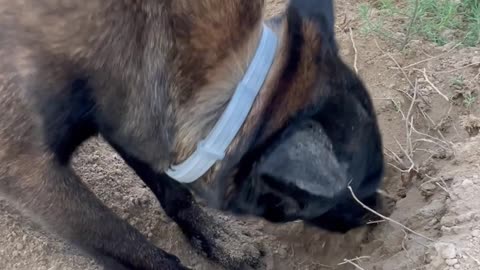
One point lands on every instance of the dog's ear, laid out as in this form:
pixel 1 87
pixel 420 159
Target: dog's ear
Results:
pixel 320 12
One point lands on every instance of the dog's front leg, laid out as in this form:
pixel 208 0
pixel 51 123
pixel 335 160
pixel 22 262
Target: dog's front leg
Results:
pixel 223 242
pixel 57 197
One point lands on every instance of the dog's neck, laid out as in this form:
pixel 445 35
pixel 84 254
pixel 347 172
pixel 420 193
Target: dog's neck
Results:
pixel 213 148
pixel 213 98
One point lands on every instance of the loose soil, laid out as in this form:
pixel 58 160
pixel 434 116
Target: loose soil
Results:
pixel 437 197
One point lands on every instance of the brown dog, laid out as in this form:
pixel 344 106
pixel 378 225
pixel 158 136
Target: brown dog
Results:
pixel 153 77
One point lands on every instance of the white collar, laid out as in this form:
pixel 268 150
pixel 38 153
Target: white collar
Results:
pixel 214 146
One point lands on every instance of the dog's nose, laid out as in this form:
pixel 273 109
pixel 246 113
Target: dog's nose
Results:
pixel 305 160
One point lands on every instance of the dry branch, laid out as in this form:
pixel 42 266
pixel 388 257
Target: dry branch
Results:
pixel 387 218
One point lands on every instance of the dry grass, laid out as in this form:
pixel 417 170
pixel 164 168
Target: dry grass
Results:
pixel 413 137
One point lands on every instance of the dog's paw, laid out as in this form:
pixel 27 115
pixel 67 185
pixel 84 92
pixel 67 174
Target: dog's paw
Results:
pixel 230 244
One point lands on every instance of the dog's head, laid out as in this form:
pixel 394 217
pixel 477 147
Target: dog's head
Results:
pixel 318 136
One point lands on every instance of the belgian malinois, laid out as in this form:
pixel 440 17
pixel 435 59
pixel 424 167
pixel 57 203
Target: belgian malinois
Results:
pixel 154 78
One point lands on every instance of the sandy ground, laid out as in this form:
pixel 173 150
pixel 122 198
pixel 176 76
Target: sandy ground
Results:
pixel 437 198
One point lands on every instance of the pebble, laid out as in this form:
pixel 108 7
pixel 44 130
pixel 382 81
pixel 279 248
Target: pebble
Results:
pixel 467 183
pixel 475 59
pixel 19 246
pixel 448 221
pixel 433 222
pixel 283 252
pixel 456 266
pixel 448 251
pixel 429 187
pixel 476 233
pixel 451 262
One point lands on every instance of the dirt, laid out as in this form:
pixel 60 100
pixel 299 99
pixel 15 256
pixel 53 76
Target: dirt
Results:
pixel 433 176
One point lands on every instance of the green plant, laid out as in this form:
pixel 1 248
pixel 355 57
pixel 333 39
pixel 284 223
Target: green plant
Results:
pixel 458 82
pixel 373 26
pixel 364 11
pixel 440 21
pixel 388 6
pixel 472 10
pixel 437 19
pixel 469 99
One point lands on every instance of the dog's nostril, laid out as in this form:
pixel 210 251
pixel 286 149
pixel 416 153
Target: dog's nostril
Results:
pixel 271 183
pixel 271 200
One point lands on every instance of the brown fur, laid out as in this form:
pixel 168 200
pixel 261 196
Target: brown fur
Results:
pixel 160 74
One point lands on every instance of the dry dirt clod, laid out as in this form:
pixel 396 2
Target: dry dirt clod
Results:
pixel 19 246
pixel 447 251
pixel 476 59
pixel 451 262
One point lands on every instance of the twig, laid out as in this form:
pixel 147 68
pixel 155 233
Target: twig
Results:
pixel 471 257
pixel 460 68
pixel 396 63
pixel 401 69
pixel 433 57
pixel 409 122
pixel 404 74
pixel 376 222
pixel 354 264
pixel 476 76
pixel 387 218
pixel 431 137
pixel 323 266
pixel 345 261
pixel 355 49
pixel 432 142
pixel 398 168
pixel 393 155
pixel 424 71
pixel 445 189
pixel 404 247
pixel 412 163
pixel 426 151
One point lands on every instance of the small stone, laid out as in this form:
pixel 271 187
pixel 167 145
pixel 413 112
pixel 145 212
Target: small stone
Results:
pixel 446 229
pixel 448 221
pixel 476 233
pixel 447 251
pixel 476 60
pixel 456 266
pixel 451 262
pixel 467 183
pixel 19 246
pixel 346 52
pixel 282 252
pixel 428 187
pixel 433 222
